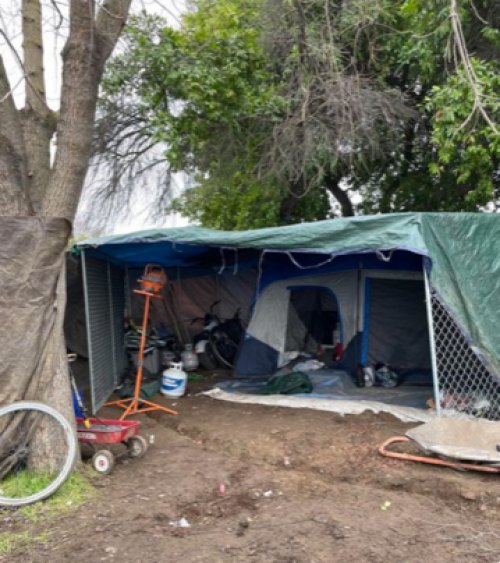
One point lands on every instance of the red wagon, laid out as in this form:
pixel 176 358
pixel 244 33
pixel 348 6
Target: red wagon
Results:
pixel 105 431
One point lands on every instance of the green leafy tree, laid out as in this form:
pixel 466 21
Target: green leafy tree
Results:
pixel 450 159
pixel 471 150
pixel 279 108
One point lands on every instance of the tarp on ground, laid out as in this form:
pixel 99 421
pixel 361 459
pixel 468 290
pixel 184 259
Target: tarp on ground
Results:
pixel 342 406
pixel 461 439
pixel 463 249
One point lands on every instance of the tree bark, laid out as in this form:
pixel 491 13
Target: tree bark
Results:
pixel 37 120
pixel 53 387
pixel 290 204
pixel 14 198
pixel 332 185
pixel 89 45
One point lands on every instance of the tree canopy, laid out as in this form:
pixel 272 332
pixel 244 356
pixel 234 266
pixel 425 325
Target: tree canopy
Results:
pixel 281 108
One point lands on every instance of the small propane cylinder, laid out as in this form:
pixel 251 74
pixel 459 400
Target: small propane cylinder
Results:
pixel 174 380
pixel 189 358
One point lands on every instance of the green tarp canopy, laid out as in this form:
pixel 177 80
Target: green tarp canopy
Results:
pixel 463 248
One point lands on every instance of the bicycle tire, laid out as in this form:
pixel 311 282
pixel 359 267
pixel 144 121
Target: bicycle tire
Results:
pixel 207 359
pixel 71 442
pixel 214 342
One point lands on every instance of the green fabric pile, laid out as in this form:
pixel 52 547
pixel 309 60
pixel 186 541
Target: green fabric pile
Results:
pixel 287 384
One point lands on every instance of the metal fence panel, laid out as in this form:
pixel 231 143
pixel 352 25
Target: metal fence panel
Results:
pixel 117 286
pixel 466 387
pixel 104 302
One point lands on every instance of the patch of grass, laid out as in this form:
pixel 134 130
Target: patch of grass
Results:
pixel 10 542
pixel 24 483
pixel 195 377
pixel 74 492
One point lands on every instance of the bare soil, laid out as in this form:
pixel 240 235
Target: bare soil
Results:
pixel 300 486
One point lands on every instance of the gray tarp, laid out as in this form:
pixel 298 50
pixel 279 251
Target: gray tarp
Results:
pixel 472 440
pixel 74 321
pixel 31 263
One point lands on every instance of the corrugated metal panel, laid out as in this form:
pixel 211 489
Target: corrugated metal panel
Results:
pixel 117 279
pixel 104 302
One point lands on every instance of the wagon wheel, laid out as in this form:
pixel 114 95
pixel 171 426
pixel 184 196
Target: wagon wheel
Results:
pixel 103 462
pixel 137 446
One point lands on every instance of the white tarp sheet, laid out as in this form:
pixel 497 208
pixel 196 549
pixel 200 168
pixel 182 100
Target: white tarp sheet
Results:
pixel 405 414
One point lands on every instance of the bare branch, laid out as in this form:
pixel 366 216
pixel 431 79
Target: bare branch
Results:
pixel 477 14
pixel 19 62
pixel 343 117
pixel 33 55
pixel 37 119
pixel 59 14
pixel 470 74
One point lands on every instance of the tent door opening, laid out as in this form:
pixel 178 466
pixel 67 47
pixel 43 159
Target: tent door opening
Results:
pixel 395 328
pixel 313 320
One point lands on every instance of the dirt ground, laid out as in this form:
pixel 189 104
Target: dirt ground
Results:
pixel 300 486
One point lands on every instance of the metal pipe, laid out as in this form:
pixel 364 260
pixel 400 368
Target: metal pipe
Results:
pixel 432 342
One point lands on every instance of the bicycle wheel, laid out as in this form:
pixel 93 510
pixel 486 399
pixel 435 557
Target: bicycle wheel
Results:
pixel 224 348
pixel 20 485
pixel 207 358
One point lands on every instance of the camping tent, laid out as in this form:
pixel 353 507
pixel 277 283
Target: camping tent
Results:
pixel 417 290
pixel 374 305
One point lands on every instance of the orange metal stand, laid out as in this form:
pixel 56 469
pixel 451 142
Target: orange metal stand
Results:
pixel 136 404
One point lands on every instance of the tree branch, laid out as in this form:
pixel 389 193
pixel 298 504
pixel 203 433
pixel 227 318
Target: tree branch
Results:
pixel 332 185
pixel 13 200
pixel 89 45
pixel 33 55
pixel 470 73
pixel 109 24
pixel 37 119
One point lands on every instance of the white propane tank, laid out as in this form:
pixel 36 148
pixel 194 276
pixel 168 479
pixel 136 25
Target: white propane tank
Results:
pixel 174 380
pixel 189 358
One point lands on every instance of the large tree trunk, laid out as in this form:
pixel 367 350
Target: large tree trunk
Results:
pixel 53 386
pixel 32 263
pixel 32 300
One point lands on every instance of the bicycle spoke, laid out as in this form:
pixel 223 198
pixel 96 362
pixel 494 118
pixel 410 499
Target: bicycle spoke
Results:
pixel 24 427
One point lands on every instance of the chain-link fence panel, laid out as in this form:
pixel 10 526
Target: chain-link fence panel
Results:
pixel 466 387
